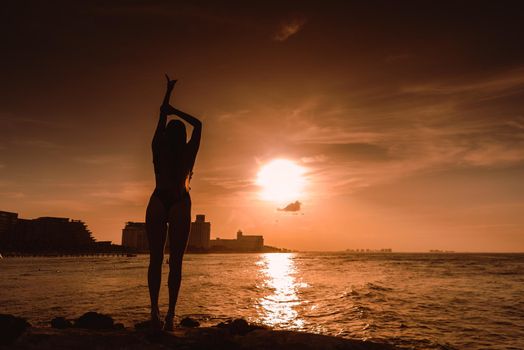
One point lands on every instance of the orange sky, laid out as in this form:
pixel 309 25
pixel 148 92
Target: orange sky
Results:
pixel 408 118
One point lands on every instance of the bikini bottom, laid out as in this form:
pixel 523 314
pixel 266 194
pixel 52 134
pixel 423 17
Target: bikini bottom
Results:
pixel 168 197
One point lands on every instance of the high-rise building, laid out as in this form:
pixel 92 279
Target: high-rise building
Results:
pixel 134 236
pixel 200 234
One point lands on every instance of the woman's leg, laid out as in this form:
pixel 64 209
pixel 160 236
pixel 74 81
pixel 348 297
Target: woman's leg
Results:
pixel 179 226
pixel 156 227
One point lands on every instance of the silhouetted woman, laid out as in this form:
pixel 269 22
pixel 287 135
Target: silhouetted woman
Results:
pixel 169 209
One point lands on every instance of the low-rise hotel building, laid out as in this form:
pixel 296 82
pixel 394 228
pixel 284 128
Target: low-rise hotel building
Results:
pixel 250 243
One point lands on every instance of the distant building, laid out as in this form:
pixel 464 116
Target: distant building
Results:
pixel 243 242
pixel 249 242
pixel 367 250
pixel 7 228
pixel 134 236
pixel 45 234
pixel 49 233
pixel 200 234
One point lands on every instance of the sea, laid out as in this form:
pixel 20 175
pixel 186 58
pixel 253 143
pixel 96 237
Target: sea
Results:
pixel 411 300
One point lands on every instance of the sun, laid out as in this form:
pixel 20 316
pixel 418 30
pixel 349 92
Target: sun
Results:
pixel 281 181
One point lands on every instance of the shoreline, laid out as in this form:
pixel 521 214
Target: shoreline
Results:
pixel 94 332
pixel 131 254
pixel 128 255
pixel 184 338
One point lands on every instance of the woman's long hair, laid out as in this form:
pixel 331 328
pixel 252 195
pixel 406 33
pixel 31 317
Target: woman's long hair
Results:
pixel 176 137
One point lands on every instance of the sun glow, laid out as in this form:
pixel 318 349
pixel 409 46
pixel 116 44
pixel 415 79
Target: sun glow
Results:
pixel 281 181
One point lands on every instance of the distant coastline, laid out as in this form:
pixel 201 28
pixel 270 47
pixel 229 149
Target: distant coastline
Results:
pixel 121 251
pixel 62 237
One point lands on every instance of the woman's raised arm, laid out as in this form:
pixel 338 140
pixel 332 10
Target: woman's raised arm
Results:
pixel 164 110
pixel 188 118
pixel 194 142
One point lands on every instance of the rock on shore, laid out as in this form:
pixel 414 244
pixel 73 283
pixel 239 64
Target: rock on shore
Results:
pixel 197 338
pixel 234 335
pixel 11 327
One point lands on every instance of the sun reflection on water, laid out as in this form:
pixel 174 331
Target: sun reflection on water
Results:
pixel 278 306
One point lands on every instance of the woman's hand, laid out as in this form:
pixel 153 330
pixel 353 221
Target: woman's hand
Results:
pixel 164 108
pixel 170 83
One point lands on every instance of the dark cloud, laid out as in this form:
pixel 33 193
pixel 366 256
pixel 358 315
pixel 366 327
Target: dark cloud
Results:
pixel 292 207
pixel 289 28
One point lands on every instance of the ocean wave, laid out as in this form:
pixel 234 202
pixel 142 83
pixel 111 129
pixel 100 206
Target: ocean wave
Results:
pixel 415 301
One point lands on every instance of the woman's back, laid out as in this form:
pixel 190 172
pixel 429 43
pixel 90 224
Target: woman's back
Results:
pixel 172 165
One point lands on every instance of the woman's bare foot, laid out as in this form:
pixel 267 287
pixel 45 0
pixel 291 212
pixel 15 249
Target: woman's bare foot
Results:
pixel 156 323
pixel 168 324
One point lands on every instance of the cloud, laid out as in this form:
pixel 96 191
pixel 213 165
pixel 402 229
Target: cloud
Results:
pixel 318 158
pixel 229 183
pixel 57 205
pixel 291 207
pixel 127 193
pixel 379 137
pixel 289 28
pixel 36 143
pixel 104 159
pixel 17 119
pixel 13 194
pixel 398 57
pixel 495 154
pixel 506 82
pixel 228 116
